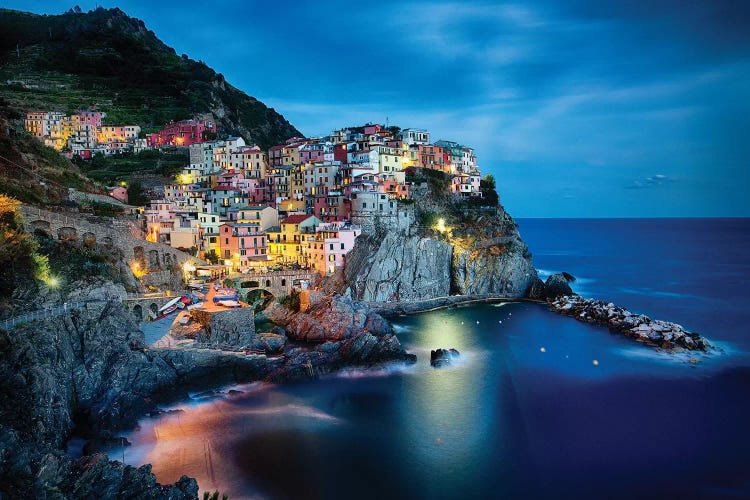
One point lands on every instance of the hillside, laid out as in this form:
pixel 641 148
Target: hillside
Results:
pixel 108 61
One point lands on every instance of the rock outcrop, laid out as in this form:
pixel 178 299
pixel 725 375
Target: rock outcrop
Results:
pixel 87 369
pixel 638 326
pixel 483 257
pixel 401 268
pixel 440 358
pixel 343 333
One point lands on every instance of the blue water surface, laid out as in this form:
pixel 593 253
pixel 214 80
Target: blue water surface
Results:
pixel 538 406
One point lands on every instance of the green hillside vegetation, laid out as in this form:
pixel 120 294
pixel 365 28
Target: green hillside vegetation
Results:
pixel 123 167
pixel 31 172
pixel 108 61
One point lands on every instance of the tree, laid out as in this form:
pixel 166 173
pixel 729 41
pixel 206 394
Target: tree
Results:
pixel 136 194
pixel 489 193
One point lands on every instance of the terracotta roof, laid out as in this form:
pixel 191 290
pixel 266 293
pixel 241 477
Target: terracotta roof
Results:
pixel 296 219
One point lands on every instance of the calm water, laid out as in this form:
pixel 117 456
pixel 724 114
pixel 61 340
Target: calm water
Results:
pixel 510 420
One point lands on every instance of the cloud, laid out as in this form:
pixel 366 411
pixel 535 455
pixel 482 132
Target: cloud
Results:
pixel 653 181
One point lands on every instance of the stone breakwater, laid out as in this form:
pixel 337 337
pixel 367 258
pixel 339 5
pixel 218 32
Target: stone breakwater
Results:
pixel 655 333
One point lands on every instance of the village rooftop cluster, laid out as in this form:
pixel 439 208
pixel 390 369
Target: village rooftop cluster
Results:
pixel 298 204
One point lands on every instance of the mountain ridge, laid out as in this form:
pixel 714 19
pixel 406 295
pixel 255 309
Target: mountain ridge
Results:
pixel 104 59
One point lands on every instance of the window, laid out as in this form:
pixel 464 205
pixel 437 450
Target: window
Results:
pixel 331 246
pixel 226 241
pixel 342 246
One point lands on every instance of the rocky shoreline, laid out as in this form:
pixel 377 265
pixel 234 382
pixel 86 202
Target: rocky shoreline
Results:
pixel 89 373
pixel 655 333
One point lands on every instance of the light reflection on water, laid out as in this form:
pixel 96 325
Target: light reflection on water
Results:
pixel 524 413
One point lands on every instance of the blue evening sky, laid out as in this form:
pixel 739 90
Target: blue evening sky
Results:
pixel 582 108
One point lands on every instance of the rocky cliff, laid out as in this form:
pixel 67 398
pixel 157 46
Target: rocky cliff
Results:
pixel 473 252
pixel 87 369
pixel 89 372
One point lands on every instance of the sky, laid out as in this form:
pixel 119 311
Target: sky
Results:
pixel 582 108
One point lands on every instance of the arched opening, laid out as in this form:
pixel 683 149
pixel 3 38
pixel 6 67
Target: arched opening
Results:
pixel 154 308
pixel 89 239
pixel 283 282
pixel 167 259
pixel 153 259
pixel 67 233
pixel 268 283
pixel 259 298
pixel 41 225
pixel 138 312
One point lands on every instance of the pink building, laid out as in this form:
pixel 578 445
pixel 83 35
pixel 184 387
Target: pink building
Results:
pixel 119 193
pixel 182 133
pixel 93 118
pixel 331 207
pixel 312 153
pixel 243 243
pixel 326 250
pixel 373 129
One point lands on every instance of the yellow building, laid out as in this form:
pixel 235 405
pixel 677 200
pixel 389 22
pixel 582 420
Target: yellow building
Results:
pixel 285 241
pixel 290 155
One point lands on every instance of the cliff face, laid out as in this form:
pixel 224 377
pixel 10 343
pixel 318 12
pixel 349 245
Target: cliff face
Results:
pixel 87 368
pixel 492 264
pixel 479 252
pixel 400 267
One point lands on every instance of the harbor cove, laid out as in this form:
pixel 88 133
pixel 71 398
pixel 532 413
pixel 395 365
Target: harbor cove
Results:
pixel 524 412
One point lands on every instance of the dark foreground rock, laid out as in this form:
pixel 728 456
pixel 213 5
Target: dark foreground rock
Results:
pixel 638 326
pixel 440 358
pixel 90 372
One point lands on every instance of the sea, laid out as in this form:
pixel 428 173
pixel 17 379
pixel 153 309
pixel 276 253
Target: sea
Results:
pixel 537 405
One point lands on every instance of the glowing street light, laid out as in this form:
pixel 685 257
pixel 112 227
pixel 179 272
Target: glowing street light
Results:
pixel 53 282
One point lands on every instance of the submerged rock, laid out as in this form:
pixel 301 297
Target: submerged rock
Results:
pixel 656 333
pixel 440 358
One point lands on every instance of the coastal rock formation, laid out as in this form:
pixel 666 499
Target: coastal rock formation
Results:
pixel 501 267
pixel 404 267
pixel 88 369
pixel 638 326
pixel 335 319
pixel 440 358
pixel 337 332
pixel 400 268
pixel 555 286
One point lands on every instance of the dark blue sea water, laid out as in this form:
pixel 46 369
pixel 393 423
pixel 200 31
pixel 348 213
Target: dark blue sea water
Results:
pixel 510 420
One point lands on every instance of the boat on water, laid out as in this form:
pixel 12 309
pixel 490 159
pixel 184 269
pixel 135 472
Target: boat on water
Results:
pixel 171 306
pixel 226 294
pixel 230 303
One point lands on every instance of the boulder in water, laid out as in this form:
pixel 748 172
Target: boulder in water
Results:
pixel 440 358
pixel 557 285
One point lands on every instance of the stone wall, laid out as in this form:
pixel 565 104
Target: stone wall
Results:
pixel 235 328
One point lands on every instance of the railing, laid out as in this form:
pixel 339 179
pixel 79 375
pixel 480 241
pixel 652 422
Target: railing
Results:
pixel 50 312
